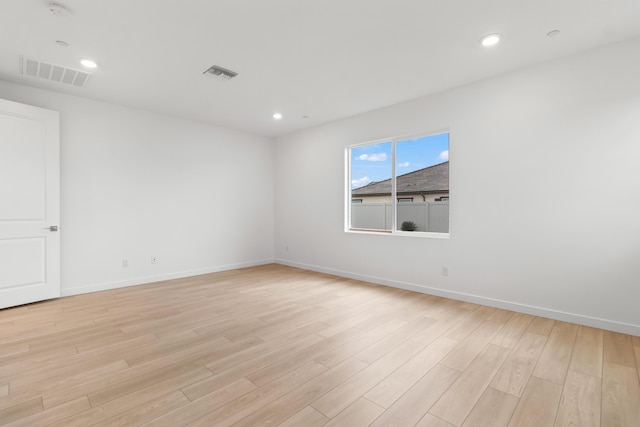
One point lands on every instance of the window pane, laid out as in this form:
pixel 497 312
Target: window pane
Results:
pixel 371 183
pixel 422 173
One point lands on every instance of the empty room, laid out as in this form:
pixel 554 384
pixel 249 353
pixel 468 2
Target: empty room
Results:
pixel 292 213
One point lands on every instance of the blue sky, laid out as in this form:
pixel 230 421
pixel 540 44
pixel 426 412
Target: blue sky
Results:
pixel 372 162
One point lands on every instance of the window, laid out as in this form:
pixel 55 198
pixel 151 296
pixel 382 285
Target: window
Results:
pixel 399 184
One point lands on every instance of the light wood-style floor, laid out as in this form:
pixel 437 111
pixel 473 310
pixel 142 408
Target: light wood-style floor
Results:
pixel 274 345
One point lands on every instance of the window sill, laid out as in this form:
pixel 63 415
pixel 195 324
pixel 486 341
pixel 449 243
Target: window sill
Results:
pixel 419 234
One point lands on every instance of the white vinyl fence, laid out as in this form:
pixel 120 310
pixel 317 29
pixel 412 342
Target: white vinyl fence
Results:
pixel 428 216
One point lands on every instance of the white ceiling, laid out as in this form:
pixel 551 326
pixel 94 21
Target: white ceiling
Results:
pixel 325 59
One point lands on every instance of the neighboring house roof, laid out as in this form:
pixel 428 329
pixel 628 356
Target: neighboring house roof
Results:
pixel 434 179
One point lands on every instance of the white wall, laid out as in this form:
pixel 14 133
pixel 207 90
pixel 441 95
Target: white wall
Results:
pixel 138 185
pixel 545 193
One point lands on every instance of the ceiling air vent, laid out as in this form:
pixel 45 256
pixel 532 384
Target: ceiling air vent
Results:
pixel 220 73
pixel 54 73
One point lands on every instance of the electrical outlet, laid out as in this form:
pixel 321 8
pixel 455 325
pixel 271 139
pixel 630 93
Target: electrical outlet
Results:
pixel 445 270
pixel 154 260
pixel 125 263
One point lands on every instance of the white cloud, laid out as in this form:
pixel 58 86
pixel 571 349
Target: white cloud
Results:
pixel 357 183
pixel 403 165
pixel 444 155
pixel 380 157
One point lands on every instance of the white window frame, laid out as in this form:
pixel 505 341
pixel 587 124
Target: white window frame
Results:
pixel 393 231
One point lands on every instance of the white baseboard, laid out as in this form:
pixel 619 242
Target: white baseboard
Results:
pixel 611 325
pixel 95 287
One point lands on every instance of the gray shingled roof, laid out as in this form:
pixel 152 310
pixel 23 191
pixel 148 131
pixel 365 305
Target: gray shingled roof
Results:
pixel 434 179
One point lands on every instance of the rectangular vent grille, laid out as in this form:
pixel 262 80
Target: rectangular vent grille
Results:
pixel 54 73
pixel 220 73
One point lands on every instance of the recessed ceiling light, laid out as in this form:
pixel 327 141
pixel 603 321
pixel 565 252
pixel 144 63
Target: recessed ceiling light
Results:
pixel 88 63
pixel 553 33
pixel 490 40
pixel 277 116
pixel 220 73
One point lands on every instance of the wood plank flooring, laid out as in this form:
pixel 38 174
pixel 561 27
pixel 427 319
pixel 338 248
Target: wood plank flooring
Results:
pixel 274 345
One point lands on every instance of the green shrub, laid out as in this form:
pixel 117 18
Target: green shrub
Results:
pixel 408 226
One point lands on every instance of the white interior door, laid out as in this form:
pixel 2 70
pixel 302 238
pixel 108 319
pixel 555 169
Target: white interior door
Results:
pixel 29 204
